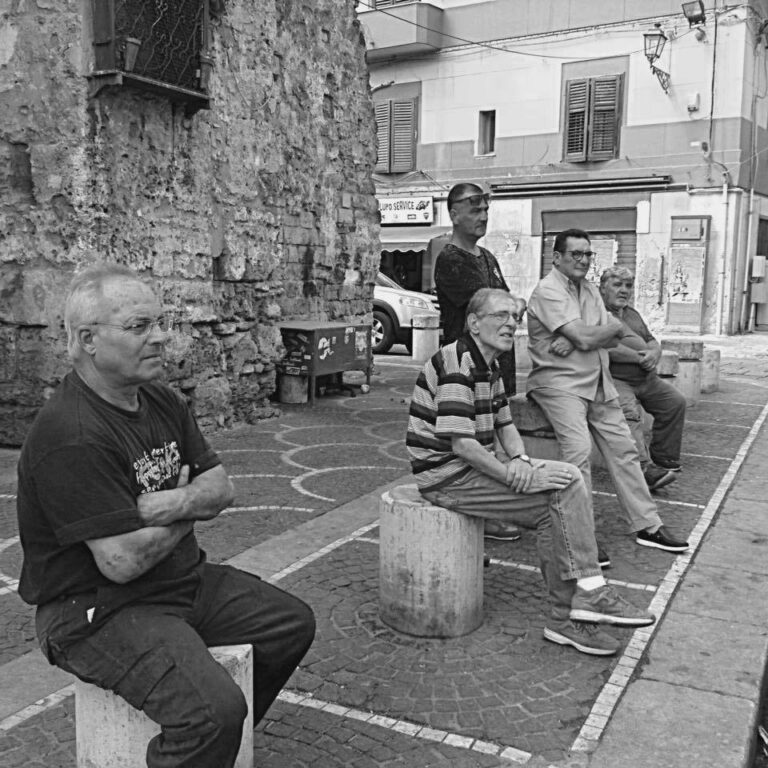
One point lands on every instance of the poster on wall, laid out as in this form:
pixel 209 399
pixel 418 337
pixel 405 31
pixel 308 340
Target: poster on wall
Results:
pixel 685 286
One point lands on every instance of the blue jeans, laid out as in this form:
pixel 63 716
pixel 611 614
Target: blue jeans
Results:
pixel 574 420
pixel 563 521
pixel 667 406
pixel 154 654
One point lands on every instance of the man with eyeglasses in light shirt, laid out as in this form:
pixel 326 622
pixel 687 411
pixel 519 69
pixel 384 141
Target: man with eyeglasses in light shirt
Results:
pixel 113 475
pixel 569 333
pixel 462 267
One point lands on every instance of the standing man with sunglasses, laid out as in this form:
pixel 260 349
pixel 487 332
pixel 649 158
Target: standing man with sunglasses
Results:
pixel 113 475
pixel 462 267
pixel 570 331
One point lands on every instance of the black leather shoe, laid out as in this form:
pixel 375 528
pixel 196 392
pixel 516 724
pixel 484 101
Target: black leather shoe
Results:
pixel 662 539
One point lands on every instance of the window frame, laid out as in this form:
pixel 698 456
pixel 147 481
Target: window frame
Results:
pixel 593 113
pixel 486 132
pixel 396 127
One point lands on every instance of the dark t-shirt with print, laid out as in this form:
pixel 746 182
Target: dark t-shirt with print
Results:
pixel 83 466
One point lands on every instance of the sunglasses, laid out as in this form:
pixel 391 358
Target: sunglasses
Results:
pixel 475 200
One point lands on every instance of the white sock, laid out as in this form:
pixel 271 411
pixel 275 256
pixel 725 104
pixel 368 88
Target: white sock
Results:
pixel 589 583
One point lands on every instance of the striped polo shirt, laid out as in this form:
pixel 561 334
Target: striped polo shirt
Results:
pixel 456 395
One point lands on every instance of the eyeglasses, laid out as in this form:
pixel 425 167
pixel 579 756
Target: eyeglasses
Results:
pixel 144 326
pixel 475 200
pixel 581 255
pixel 502 318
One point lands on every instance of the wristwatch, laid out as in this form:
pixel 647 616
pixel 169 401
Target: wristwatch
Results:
pixel 522 457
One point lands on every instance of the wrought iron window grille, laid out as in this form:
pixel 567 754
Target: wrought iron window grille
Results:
pixel 160 46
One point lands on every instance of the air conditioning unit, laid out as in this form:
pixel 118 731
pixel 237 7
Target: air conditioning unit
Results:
pixel 161 46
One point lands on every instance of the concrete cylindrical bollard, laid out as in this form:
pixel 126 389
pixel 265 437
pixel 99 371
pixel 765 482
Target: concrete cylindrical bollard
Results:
pixel 522 356
pixel 292 389
pixel 710 371
pixel 688 380
pixel 430 566
pixel 668 363
pixel 426 337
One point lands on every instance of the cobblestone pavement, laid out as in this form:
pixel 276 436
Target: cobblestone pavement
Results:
pixel 366 695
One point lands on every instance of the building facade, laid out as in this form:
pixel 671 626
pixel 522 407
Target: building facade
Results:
pixel 643 123
pixel 223 148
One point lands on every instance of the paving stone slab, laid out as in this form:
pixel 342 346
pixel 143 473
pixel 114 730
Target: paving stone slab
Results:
pixel 731 547
pixel 660 725
pixel 746 514
pixel 708 654
pixel 722 593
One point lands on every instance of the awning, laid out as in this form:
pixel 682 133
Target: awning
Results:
pixel 409 238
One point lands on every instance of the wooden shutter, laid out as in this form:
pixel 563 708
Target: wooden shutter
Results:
pixel 403 135
pixel 605 105
pixel 576 104
pixel 382 110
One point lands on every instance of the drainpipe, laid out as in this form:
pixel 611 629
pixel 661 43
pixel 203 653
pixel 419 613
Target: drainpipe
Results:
pixel 745 304
pixel 723 261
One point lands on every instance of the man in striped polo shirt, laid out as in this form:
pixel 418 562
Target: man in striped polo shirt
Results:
pixel 467 455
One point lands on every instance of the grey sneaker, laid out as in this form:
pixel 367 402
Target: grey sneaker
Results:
pixel 604 606
pixel 586 638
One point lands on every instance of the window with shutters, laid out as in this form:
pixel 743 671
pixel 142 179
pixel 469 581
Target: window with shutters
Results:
pixel 396 135
pixel 486 138
pixel 592 118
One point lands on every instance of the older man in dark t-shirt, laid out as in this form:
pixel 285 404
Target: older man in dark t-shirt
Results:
pixel 633 368
pixel 113 475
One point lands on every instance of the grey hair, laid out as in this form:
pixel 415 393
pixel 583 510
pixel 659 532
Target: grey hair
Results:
pixel 482 296
pixel 85 292
pixel 622 273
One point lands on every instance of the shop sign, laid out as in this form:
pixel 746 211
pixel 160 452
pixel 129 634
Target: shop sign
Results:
pixel 406 210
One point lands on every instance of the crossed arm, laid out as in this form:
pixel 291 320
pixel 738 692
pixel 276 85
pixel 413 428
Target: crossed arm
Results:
pixel 168 516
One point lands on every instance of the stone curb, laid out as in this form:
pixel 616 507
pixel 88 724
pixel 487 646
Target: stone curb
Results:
pixel 696 699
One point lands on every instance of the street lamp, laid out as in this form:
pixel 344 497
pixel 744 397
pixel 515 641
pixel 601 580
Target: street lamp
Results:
pixel 653 45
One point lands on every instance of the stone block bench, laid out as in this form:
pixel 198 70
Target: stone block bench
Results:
pixel 110 733
pixel 430 566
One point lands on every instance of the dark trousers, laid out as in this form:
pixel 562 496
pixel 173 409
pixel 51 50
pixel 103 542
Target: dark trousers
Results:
pixel 154 655
pixel 667 406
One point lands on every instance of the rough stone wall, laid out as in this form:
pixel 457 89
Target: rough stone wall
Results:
pixel 259 209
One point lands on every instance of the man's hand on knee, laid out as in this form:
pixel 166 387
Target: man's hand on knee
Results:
pixel 519 475
pixel 550 477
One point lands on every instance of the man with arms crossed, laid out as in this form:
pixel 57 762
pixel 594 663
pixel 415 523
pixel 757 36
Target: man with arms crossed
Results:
pixel 458 411
pixel 112 477
pixel 569 331
pixel 633 368
pixel 461 268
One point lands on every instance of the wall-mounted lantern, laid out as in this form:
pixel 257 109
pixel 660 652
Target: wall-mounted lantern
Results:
pixel 653 45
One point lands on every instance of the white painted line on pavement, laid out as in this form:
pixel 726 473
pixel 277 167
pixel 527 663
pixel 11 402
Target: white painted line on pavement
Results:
pixel 248 450
pixel 707 456
pixel 299 564
pixel 8 496
pixel 656 498
pixel 297 481
pixel 5 543
pixel 261 475
pixel 36 708
pixel 608 697
pixel 265 507
pixel 731 402
pixel 409 729
pixel 717 424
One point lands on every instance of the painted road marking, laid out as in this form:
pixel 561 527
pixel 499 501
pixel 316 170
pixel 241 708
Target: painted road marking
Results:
pixel 656 498
pixel 609 696
pixel 36 708
pixel 403 726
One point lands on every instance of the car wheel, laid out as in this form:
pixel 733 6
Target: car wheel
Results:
pixel 382 333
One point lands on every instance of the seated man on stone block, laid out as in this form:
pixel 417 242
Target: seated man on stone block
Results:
pixel 633 367
pixel 458 413
pixel 112 477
